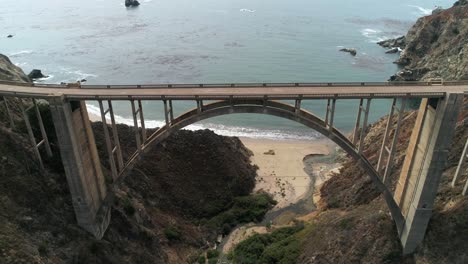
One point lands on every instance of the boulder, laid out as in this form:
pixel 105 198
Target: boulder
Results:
pixel 350 51
pixel 36 74
pixel 131 3
pixel 9 36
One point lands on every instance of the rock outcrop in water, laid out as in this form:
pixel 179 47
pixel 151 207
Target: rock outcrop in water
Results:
pixel 436 46
pixel 36 74
pixel 349 50
pixel 131 3
pixel 399 42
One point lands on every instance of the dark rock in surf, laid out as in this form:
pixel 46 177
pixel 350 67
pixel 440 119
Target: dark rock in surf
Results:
pixel 9 36
pixel 408 74
pixel 399 42
pixel 350 51
pixel 392 50
pixel 36 74
pixel 131 3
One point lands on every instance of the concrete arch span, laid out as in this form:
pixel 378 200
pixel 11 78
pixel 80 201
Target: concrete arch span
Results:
pixel 273 108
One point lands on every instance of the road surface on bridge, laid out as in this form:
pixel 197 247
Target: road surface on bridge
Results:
pixel 226 91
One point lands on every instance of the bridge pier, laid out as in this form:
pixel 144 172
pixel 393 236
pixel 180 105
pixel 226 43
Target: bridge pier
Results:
pixel 423 166
pixel 81 163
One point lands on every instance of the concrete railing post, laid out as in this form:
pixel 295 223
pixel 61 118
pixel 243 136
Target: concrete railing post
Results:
pixel 423 166
pixel 81 163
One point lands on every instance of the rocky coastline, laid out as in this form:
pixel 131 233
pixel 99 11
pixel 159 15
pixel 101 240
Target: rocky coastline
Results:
pixel 436 47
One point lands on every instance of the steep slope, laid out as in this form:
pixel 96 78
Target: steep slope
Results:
pixel 159 213
pixel 436 46
pixel 10 72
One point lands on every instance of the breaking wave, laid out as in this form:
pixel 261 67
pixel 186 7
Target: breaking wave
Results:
pixel 247 10
pixel 376 35
pixel 422 11
pixel 224 130
pixel 19 53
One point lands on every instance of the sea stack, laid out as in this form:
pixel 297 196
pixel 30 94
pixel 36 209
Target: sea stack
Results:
pixel 350 51
pixel 131 3
pixel 36 74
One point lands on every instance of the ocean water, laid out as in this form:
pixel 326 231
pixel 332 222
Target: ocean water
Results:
pixel 211 41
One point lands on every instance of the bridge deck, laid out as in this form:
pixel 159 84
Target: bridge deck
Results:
pixel 214 92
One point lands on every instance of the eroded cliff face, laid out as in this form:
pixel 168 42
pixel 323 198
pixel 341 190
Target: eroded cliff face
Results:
pixel 10 72
pixel 437 47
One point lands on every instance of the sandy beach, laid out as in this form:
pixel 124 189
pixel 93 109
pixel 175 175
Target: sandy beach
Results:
pixel 281 169
pixel 284 176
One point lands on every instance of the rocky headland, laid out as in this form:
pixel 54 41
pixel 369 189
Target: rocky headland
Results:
pixel 10 72
pixel 435 47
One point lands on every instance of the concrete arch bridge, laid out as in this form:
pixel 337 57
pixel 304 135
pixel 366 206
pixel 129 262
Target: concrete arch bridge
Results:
pixel 410 205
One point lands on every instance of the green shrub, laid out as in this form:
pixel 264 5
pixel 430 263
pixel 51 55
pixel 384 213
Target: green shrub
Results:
pixel 213 261
pixel 245 209
pixel 346 223
pixel 201 259
pixel 172 233
pixel 281 246
pixel 212 253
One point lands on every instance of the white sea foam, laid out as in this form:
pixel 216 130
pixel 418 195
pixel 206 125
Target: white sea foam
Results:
pixel 372 34
pixel 247 10
pixel 21 64
pixel 76 74
pixel 45 79
pixel 19 53
pixel 376 35
pixel 422 10
pixel 232 131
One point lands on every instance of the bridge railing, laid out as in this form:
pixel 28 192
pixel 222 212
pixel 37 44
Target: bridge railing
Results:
pixel 241 85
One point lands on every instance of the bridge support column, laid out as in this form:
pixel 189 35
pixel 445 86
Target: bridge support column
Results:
pixel 423 166
pixel 81 163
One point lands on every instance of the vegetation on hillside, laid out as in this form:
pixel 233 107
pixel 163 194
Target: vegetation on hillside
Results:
pixel 244 209
pixel 283 245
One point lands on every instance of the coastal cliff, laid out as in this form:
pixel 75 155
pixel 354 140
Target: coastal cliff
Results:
pixel 435 47
pixel 169 209
pixel 10 72
pixel 352 223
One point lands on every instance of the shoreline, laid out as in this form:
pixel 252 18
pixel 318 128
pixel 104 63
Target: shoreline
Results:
pixel 281 169
pixel 292 172
pixel 293 177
